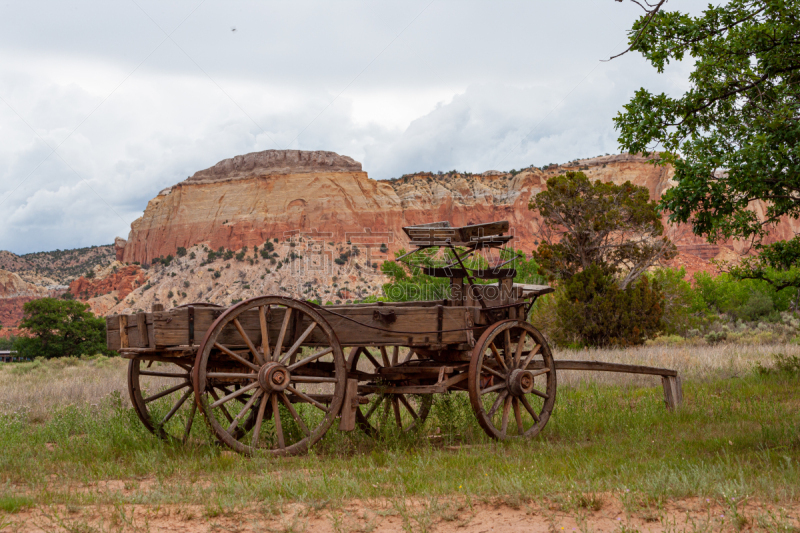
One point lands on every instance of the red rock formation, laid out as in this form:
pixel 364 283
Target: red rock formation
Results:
pixel 11 313
pixel 124 281
pixel 119 248
pixel 248 199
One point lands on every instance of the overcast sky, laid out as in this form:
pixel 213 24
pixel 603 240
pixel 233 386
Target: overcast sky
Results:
pixel 104 103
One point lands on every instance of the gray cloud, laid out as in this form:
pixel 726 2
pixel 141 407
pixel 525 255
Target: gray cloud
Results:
pixel 400 86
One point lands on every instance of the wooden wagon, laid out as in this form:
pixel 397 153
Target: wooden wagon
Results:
pixel 272 374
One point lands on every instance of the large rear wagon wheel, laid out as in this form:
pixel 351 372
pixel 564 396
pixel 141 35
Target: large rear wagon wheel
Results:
pixel 512 380
pixel 290 370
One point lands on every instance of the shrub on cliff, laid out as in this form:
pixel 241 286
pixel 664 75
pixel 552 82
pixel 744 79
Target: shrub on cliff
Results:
pixel 60 328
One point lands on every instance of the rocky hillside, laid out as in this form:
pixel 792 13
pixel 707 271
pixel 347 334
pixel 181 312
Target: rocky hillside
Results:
pixel 298 267
pixel 58 267
pixel 250 199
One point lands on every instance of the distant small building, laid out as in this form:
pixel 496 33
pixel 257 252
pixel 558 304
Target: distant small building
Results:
pixel 6 356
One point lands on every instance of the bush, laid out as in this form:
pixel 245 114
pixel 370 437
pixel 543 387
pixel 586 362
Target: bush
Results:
pixel 593 310
pixel 60 328
pixel 181 251
pixel 741 299
pixel 684 307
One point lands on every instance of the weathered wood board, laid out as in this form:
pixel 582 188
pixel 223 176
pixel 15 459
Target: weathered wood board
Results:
pixel 412 325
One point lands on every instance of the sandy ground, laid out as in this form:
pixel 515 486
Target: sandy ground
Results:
pixel 445 516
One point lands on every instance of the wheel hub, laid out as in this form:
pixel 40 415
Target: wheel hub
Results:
pixel 520 382
pixel 274 377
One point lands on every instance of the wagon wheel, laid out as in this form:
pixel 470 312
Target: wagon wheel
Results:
pixel 408 412
pixel 512 375
pixel 292 397
pixel 162 396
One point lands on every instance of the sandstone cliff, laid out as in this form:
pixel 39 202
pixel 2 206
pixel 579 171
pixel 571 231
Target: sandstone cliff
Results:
pixel 249 199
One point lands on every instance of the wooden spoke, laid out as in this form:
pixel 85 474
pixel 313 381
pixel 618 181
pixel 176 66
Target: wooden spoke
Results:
pixel 233 395
pixel 313 379
pixel 408 356
pixel 395 354
pixel 518 416
pixel 507 346
pixel 539 372
pixel 540 394
pixel 410 409
pixel 244 410
pixel 396 409
pixel 276 413
pixel 520 345
pixel 279 345
pixel 176 407
pixel 494 388
pixel 496 354
pixel 494 372
pixel 189 423
pixel 497 402
pixel 374 406
pixel 163 374
pixel 371 359
pixel 232 375
pixel 306 398
pixel 506 410
pixel 222 407
pixel 290 352
pixel 531 355
pixel 294 414
pixel 236 356
pixel 310 358
pixel 257 426
pixel 384 356
pixel 528 408
pixel 166 392
pixel 250 345
pixel 262 319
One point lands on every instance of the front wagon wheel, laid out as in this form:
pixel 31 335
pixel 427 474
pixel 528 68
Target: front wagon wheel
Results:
pixel 512 380
pixel 290 372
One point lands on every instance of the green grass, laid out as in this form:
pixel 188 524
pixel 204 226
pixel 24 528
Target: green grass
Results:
pixel 734 438
pixel 14 504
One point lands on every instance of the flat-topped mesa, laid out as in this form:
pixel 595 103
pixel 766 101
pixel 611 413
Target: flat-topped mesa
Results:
pixel 272 162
